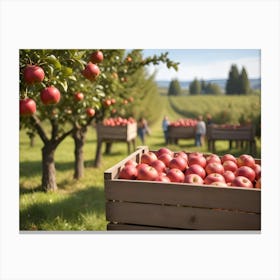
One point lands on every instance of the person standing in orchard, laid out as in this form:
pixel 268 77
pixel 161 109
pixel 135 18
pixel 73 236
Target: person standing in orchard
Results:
pixel 200 131
pixel 143 129
pixel 165 123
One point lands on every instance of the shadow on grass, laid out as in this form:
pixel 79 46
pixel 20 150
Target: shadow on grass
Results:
pixel 24 190
pixel 33 168
pixel 70 209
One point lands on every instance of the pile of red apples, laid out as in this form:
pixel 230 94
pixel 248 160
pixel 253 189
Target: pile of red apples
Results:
pixel 118 121
pixel 194 168
pixel 184 123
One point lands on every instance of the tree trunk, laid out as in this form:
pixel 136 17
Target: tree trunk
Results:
pixel 79 135
pixel 97 161
pixel 48 167
pixel 108 148
pixel 32 141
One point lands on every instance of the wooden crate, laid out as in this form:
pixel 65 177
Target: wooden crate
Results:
pixel 174 133
pixel 120 133
pixel 110 134
pixel 243 133
pixel 143 205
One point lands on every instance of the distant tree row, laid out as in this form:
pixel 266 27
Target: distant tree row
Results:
pixel 174 88
pixel 201 87
pixel 237 83
pixel 195 87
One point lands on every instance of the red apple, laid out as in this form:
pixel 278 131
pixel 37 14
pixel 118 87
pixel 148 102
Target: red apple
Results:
pixel 91 71
pixel 78 96
pixel 128 172
pixel 245 160
pixel 197 158
pixel 181 154
pixel 229 176
pixel 219 184
pixel 162 178
pixel 148 157
pixel 33 74
pixel 96 57
pixel 131 162
pixel 164 151
pixel 90 112
pixel 258 184
pixel 228 157
pixel 195 154
pixel 241 181
pixel 175 175
pixel 196 169
pixel 213 158
pixel 50 95
pixel 257 169
pixel 113 101
pixel 27 107
pixel 247 172
pixel 230 165
pixel 214 167
pixel 107 102
pixel 193 179
pixel 140 165
pixel 158 165
pixel 179 163
pixel 214 177
pixel 147 173
pixel 166 158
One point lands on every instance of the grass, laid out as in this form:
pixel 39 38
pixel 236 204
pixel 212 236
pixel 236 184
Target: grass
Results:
pixel 80 205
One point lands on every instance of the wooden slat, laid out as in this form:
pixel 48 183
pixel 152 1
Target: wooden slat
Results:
pixel 184 194
pixel 112 226
pixel 242 133
pixel 124 133
pixel 181 217
pixel 181 132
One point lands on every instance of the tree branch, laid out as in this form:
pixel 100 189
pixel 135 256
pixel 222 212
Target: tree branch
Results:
pixel 39 128
pixel 63 136
pixel 54 129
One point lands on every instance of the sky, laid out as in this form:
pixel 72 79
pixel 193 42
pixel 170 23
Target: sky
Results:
pixel 206 63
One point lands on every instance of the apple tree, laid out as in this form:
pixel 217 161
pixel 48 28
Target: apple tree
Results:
pixel 46 101
pixel 113 91
pixel 62 91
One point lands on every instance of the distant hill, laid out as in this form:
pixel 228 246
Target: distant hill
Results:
pixel 254 83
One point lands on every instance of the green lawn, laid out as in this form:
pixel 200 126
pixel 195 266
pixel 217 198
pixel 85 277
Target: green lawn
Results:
pixel 80 205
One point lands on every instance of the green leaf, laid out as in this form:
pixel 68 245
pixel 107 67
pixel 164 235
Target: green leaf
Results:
pixel 54 61
pixel 99 87
pixel 50 70
pixel 73 78
pixel 101 94
pixel 63 84
pixel 66 71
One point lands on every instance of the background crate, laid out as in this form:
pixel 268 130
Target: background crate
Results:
pixel 244 133
pixel 121 133
pixel 174 133
pixel 144 205
pixel 110 134
pixel 230 133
